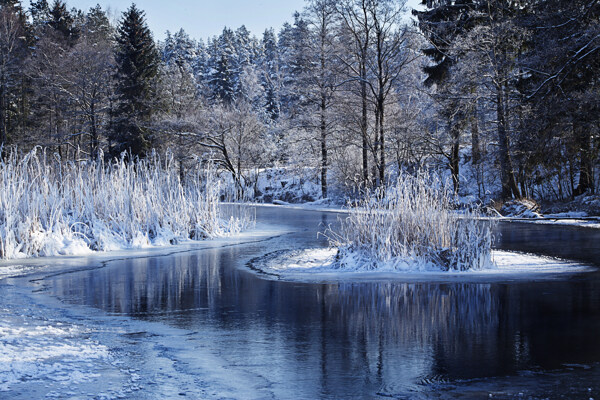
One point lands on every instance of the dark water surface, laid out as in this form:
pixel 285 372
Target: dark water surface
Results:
pixel 367 339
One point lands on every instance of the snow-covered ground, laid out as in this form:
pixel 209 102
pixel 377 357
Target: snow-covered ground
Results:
pixel 299 188
pixel 322 265
pixel 47 354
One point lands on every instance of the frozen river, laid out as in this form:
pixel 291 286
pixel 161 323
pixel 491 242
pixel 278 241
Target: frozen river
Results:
pixel 196 323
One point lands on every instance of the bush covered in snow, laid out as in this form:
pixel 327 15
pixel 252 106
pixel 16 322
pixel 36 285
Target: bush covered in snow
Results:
pixel 412 225
pixel 520 208
pixel 49 207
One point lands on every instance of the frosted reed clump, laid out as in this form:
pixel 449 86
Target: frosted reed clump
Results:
pixel 49 207
pixel 412 226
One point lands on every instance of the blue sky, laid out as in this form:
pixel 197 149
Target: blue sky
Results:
pixel 206 18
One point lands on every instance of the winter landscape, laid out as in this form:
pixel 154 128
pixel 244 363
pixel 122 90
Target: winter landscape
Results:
pixel 319 199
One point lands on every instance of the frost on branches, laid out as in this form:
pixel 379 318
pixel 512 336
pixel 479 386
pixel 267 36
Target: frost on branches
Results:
pixel 49 207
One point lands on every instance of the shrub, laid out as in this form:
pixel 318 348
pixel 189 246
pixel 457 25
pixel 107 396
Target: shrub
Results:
pixel 412 225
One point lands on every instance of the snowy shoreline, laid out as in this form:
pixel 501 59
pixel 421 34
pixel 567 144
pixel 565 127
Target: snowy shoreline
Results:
pixel 14 268
pixel 319 265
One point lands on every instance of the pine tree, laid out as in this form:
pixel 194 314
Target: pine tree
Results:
pixel 294 42
pixel 137 67
pixel 562 88
pixel 443 23
pixel 179 49
pixel 483 32
pixel 40 12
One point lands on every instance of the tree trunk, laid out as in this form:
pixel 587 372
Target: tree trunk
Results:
pixel 509 183
pixel 381 143
pixel 94 145
pixel 364 121
pixel 376 166
pixel 475 145
pixel 455 155
pixel 323 148
pixel 586 165
pixel 3 112
pixel 475 149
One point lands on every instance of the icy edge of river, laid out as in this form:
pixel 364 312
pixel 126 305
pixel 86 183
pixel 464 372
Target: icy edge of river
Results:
pixel 61 264
pixel 319 265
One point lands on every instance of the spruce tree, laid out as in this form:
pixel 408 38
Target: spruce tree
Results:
pixel 270 76
pixel 63 21
pixel 97 25
pixel 137 67
pixel 40 12
pixel 224 77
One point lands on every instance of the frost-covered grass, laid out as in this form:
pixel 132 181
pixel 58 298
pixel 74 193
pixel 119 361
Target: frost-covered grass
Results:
pixel 412 225
pixel 49 207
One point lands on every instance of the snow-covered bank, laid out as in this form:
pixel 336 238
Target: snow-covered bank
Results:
pixel 324 265
pixel 590 222
pixel 44 266
pixel 48 207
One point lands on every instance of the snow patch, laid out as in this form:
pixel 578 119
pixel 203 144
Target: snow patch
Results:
pixel 31 350
pixel 325 264
pixel 523 208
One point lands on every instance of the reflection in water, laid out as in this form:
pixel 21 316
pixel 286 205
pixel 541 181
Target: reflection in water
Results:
pixel 347 339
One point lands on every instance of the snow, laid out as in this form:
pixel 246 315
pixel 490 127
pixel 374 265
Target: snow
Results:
pixel 45 354
pixel 570 214
pixel 582 223
pixel 45 350
pixel 319 205
pixel 322 264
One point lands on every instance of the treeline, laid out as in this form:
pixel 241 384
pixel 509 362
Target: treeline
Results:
pixel 528 70
pixel 504 94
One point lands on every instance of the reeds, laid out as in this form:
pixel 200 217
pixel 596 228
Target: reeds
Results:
pixel 50 207
pixel 412 225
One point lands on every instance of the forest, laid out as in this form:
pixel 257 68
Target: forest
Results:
pixel 500 96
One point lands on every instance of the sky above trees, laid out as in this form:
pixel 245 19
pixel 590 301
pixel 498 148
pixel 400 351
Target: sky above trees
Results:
pixel 202 19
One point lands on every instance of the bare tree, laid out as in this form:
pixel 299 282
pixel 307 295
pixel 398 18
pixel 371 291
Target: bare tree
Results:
pixel 390 57
pixel 357 30
pixel 236 137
